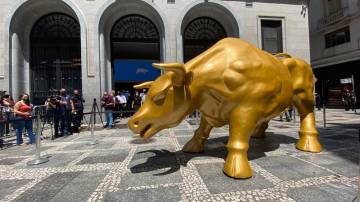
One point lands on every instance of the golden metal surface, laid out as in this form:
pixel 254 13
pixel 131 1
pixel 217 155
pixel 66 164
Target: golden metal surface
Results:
pixel 234 83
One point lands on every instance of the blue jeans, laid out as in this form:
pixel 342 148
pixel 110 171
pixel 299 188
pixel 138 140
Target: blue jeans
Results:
pixel 20 125
pixel 109 118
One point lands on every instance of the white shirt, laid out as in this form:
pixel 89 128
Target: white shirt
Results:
pixel 143 98
pixel 121 99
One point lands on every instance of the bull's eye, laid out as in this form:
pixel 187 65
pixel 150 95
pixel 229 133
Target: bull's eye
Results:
pixel 159 98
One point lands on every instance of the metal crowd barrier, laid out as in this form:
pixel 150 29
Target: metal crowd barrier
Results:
pixel 38 113
pixel 8 120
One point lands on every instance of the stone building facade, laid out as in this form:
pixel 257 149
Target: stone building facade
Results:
pixel 335 47
pixel 46 44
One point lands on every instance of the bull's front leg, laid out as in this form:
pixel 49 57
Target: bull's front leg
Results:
pixel 242 124
pixel 196 144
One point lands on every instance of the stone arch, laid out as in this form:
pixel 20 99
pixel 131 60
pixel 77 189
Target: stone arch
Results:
pixel 213 9
pixel 24 15
pixel 110 13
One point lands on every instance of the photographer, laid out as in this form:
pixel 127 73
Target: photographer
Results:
pixel 53 113
pixel 77 109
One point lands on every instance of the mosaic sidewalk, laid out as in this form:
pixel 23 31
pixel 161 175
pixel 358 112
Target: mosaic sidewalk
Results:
pixel 124 168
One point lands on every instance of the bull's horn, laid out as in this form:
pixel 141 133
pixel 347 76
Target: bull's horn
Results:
pixel 177 68
pixel 146 84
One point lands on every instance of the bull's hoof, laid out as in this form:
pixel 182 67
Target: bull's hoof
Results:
pixel 193 146
pixel 309 142
pixel 237 166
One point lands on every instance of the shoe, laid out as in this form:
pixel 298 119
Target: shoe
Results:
pixel 105 126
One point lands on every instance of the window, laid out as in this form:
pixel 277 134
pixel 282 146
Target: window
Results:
pixel 249 3
pixel 333 6
pixel 271 36
pixel 337 37
pixel 171 1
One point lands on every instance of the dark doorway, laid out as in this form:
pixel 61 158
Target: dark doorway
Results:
pixel 200 34
pixel 135 45
pixel 329 82
pixel 55 56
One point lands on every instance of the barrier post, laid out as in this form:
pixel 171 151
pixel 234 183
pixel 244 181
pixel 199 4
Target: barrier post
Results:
pixel 324 115
pixel 38 160
pixel 92 126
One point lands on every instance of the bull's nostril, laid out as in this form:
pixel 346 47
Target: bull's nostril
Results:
pixel 136 123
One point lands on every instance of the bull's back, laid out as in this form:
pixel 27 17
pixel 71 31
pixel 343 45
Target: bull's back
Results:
pixel 234 72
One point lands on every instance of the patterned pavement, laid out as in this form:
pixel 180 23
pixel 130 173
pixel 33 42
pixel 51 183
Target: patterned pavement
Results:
pixel 122 167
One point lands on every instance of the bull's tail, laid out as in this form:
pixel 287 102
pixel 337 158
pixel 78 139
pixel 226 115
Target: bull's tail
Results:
pixel 283 55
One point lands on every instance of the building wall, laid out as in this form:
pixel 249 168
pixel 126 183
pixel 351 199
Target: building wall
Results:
pixel 96 17
pixel 321 56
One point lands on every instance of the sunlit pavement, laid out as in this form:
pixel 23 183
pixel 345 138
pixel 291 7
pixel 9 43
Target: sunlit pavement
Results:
pixel 122 167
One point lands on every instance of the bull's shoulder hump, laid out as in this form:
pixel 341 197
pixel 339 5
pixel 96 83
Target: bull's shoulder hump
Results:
pixel 243 65
pixel 238 71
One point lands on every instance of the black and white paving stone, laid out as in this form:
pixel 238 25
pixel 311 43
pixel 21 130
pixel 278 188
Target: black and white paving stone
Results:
pixel 122 167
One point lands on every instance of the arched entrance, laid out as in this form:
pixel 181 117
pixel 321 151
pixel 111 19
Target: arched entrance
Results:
pixel 55 55
pixel 135 45
pixel 199 35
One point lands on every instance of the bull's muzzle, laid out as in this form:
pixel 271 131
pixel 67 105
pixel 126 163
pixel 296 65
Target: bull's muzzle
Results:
pixel 134 125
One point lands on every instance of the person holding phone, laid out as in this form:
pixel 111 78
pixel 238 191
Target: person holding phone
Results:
pixel 23 119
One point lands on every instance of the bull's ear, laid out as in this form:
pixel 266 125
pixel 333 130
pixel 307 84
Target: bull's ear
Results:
pixel 179 78
pixel 144 85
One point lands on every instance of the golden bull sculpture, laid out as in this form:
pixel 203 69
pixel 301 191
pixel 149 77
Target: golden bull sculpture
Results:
pixel 234 83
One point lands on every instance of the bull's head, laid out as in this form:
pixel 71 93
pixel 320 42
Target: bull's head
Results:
pixel 167 102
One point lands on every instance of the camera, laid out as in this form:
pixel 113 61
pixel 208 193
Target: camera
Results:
pixel 54 99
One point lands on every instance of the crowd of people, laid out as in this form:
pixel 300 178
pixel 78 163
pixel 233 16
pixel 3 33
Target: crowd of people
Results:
pixel 121 104
pixel 63 110
pixel 20 115
pixel 66 112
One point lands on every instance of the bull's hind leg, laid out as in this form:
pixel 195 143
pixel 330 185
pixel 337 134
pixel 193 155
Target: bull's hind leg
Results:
pixel 242 124
pixel 196 144
pixel 260 130
pixel 308 134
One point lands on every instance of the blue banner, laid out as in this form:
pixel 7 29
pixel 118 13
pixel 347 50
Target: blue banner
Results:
pixel 134 71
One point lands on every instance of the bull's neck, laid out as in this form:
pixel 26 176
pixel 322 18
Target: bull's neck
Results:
pixel 185 99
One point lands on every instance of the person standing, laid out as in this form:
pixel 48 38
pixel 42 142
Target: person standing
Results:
pixel 143 96
pixel 65 105
pixel 77 110
pixel 23 119
pixel 346 99
pixel 8 103
pixel 136 103
pixel 121 99
pixel 128 102
pixel 108 104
